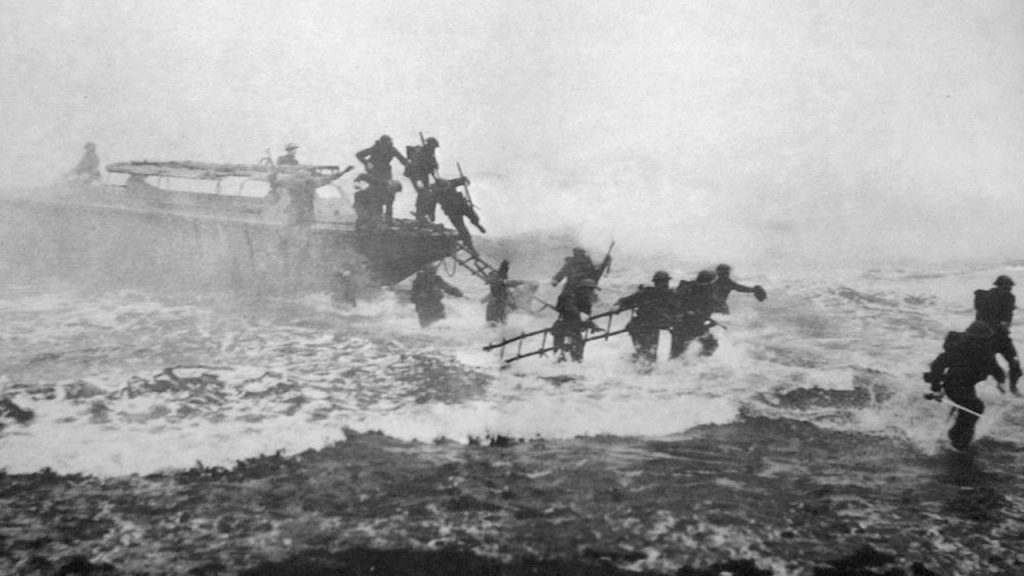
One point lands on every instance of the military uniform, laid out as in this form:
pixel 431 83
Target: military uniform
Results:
pixel 378 158
pixel 578 267
pixel 655 307
pixel 87 170
pixel 696 304
pixel 427 291
pixel 724 285
pixel 289 158
pixel 498 301
pixel 423 164
pixel 457 207
pixel 995 308
pixel 568 330
pixel 966 360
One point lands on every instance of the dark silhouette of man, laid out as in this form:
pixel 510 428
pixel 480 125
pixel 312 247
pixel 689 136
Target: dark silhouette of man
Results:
pixel 654 309
pixel 696 304
pixel 457 208
pixel 288 158
pixel 568 330
pixel 87 170
pixel 995 308
pixel 427 291
pixel 724 284
pixel 577 267
pixel 966 360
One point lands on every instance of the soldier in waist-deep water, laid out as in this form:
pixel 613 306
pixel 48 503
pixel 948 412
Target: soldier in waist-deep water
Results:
pixel 569 329
pixel 500 298
pixel 696 303
pixel 654 308
pixel 724 284
pixel 427 291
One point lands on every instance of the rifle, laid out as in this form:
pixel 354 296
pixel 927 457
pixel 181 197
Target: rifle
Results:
pixel 606 264
pixel 941 398
pixel 465 184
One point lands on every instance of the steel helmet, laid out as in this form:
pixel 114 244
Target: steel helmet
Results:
pixel 1003 280
pixel 723 268
pixel 90 145
pixel 578 251
pixel 661 276
pixel 385 138
pixel 979 329
pixel 291 146
pixel 705 277
pixel 433 142
pixel 587 283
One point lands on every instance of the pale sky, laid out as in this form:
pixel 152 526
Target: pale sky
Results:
pixel 749 127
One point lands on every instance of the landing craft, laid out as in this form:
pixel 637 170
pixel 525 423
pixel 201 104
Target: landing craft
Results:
pixel 200 224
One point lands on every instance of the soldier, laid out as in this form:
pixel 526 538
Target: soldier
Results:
pixel 457 207
pixel 377 158
pixel 427 291
pixel 577 267
pixel 655 307
pixel 301 187
pixel 344 291
pixel 696 303
pixel 422 165
pixel 500 298
pixel 288 158
pixel 87 170
pixel 995 307
pixel 966 360
pixel 569 328
pixel 724 284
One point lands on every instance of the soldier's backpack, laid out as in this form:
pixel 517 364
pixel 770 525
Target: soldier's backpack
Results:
pixel 412 155
pixel 953 340
pixel 985 304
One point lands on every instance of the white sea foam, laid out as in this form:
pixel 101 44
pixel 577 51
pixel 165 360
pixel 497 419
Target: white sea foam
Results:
pixel 92 371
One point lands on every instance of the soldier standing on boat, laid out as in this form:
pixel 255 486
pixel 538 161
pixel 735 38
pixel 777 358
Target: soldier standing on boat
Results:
pixel 696 303
pixel 568 331
pixel 377 160
pixel 724 284
pixel 655 307
pixel 421 167
pixel 995 308
pixel 965 361
pixel 288 158
pixel 578 267
pixel 427 291
pixel 87 170
pixel 457 207
pixel 301 187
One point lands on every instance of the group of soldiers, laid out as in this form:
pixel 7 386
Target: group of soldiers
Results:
pixel 969 357
pixel 375 199
pixel 684 311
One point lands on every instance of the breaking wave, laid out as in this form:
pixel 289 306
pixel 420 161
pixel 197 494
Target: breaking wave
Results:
pixel 129 382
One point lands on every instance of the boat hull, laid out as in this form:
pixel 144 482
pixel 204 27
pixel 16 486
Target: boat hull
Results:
pixel 144 236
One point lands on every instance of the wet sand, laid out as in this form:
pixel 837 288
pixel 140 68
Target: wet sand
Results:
pixel 759 496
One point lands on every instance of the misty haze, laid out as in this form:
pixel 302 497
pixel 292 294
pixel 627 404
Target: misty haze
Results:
pixel 440 287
